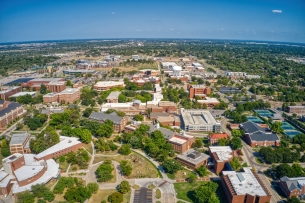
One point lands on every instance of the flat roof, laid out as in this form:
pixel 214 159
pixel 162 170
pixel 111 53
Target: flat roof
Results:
pixel 45 79
pixel 168 118
pixel 208 99
pixel 222 152
pixel 12 158
pixel 113 95
pixel 23 94
pixel 9 89
pixel 197 117
pixel 198 158
pixel 69 91
pixel 177 140
pixel 65 142
pixel 168 64
pixel 245 182
pixel 167 103
pixel 19 138
pixel 51 94
pixel 109 83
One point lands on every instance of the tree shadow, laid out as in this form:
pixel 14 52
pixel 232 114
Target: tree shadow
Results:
pixel 191 195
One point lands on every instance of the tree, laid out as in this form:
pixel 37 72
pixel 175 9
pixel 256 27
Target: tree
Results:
pixel 43 89
pixel 223 142
pixel 293 200
pixel 125 149
pixel 139 117
pixel 122 98
pixel 192 178
pixel 106 129
pixel 126 168
pixel 77 194
pixel 124 187
pixel 171 166
pixel 115 197
pixel 236 143
pixel 25 197
pixel 92 187
pixel 87 112
pixel 104 172
pixel 205 191
pixel 197 144
pixel 202 171
pixel 86 136
pixel 69 83
pixel 235 163
pixel 276 127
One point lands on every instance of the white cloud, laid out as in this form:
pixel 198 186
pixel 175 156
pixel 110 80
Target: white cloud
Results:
pixel 112 13
pixel 276 11
pixel 172 29
pixel 138 30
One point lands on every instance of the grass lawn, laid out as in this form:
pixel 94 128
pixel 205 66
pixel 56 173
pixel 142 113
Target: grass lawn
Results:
pixel 185 191
pixel 136 187
pixel 158 194
pixel 88 147
pixel 179 175
pixel 103 195
pixel 51 183
pixel 141 168
pixel 63 166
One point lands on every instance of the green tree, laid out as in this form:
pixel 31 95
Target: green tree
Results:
pixel 87 112
pixel 77 194
pixel 202 171
pixel 86 136
pixel 104 172
pixel 192 178
pixel 69 83
pixel 171 166
pixel 122 98
pixel 124 187
pixel 139 117
pixel 25 197
pixel 125 149
pixel 293 200
pixel 236 143
pixel 126 168
pixel 198 143
pixel 43 89
pixel 235 164
pixel 203 193
pixel 92 187
pixel 106 129
pixel 115 197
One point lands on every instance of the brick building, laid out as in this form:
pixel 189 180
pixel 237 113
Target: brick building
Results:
pixel 9 111
pixel 221 155
pixel 52 84
pixel 113 97
pixel 213 138
pixel 180 142
pixel 66 145
pixel 169 120
pixel 293 186
pixel 9 91
pixel 244 187
pixel 68 95
pixel 209 102
pixel 193 159
pixel 20 143
pixel 106 85
pixel 296 109
pixel 149 72
pixel 198 90
pixel 255 135
pixel 167 106
pixel 119 123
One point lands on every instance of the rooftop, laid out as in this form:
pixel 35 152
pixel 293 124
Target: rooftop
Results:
pixel 197 117
pixel 109 83
pixel 100 116
pixel 12 158
pixel 113 95
pixel 222 152
pixel 65 142
pixel 69 91
pixel 245 182
pixel 294 183
pixel 218 136
pixel 51 94
pixel 23 93
pixel 45 80
pixel 9 89
pixel 12 106
pixel 168 118
pixel 208 100
pixel 167 103
pixel 193 156
pixel 19 138
pixel 168 134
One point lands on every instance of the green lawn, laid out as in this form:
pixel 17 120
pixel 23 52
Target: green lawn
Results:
pixel 185 191
pixel 104 194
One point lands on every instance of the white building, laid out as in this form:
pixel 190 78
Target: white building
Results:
pixel 168 65
pixel 176 70
pixel 199 120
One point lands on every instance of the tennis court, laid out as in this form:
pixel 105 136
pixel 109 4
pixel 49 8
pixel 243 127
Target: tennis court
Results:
pixel 264 113
pixel 255 119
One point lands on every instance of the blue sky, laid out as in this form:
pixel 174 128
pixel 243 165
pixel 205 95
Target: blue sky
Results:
pixel 268 20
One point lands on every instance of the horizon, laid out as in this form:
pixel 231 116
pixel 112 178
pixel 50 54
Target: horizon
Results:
pixel 259 20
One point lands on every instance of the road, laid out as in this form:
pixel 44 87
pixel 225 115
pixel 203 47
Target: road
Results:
pixel 10 129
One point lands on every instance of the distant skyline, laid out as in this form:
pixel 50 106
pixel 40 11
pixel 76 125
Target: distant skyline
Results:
pixel 261 20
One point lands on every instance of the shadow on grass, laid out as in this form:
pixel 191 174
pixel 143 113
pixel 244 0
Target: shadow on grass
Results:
pixel 191 195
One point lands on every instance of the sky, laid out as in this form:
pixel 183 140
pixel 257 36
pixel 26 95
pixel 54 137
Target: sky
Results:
pixel 262 20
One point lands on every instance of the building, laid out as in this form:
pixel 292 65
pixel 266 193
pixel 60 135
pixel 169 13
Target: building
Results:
pixel 154 115
pixel 296 109
pixel 119 123
pixel 9 111
pixel 9 91
pixel 20 143
pixel 168 65
pixel 180 142
pixel 148 72
pixel 235 75
pixel 113 97
pixel 32 94
pixel 198 90
pixel 209 102
pixel 50 98
pixel 293 186
pixel 21 171
pixel 255 135
pixel 169 120
pixel 213 138
pixel 199 120
pixel 176 71
pixel 244 187
pixel 167 106
pixel 77 71
pixel 69 95
pixel 221 156
pixel 193 159
pixel 106 85
pixel 229 90
pixel 135 57
pixel 52 84
pixel 66 145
